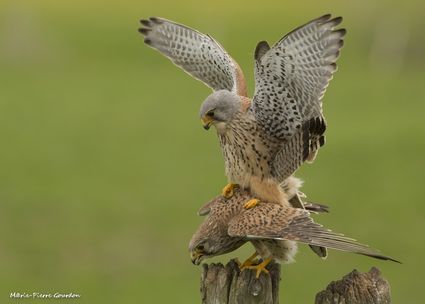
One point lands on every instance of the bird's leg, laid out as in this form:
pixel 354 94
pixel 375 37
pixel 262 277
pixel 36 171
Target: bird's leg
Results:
pixel 251 203
pixel 249 261
pixel 228 190
pixel 260 267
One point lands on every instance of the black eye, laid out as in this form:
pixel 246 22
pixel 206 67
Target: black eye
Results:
pixel 200 247
pixel 210 113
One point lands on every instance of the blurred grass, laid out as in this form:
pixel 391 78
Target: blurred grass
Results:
pixel 104 163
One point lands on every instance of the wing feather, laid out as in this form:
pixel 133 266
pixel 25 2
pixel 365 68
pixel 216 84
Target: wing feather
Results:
pixel 292 76
pixel 272 221
pixel 198 54
pixel 301 147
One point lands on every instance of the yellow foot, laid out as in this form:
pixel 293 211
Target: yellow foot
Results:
pixel 260 267
pixel 249 261
pixel 228 190
pixel 251 203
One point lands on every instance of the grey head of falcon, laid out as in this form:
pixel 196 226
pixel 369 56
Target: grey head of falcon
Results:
pixel 219 109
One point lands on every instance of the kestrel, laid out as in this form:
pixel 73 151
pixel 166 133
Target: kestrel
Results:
pixel 263 140
pixel 273 229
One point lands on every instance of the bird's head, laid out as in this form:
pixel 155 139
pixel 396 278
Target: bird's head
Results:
pixel 219 108
pixel 202 247
pixel 211 238
pixel 200 250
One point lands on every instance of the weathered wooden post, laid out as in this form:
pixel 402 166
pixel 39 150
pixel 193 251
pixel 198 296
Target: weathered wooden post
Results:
pixel 357 288
pixel 228 285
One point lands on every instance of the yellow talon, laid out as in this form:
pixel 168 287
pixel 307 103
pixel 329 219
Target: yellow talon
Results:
pixel 249 261
pixel 260 267
pixel 228 190
pixel 251 203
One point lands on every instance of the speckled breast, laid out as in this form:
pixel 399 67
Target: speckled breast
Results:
pixel 246 151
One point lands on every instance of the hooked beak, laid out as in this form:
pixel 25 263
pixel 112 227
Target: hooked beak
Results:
pixel 206 122
pixel 196 257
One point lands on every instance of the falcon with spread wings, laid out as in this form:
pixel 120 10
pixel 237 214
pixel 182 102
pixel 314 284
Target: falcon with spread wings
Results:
pixel 263 140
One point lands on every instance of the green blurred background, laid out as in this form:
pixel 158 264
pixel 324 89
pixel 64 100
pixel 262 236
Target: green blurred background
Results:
pixel 104 163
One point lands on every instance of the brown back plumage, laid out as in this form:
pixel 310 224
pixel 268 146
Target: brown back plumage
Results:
pixel 272 221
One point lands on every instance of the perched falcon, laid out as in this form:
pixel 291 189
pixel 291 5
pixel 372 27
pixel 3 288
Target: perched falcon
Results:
pixel 263 140
pixel 272 229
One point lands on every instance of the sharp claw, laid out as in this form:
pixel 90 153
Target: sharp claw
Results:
pixel 251 203
pixel 247 264
pixel 228 190
pixel 249 261
pixel 260 268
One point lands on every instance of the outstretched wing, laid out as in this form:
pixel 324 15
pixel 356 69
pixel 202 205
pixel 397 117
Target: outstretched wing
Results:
pixel 292 76
pixel 272 221
pixel 196 53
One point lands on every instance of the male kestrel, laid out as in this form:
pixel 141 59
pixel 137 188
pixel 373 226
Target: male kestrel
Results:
pixel 263 140
pixel 272 228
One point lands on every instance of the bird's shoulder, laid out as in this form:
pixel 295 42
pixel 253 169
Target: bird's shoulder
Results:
pixel 245 103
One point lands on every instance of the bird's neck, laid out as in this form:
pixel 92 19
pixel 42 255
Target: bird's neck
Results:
pixel 221 127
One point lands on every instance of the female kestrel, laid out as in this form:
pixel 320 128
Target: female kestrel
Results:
pixel 274 231
pixel 263 140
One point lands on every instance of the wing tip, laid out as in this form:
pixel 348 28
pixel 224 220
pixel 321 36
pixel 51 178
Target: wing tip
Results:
pixel 337 20
pixel 341 31
pixel 203 212
pixel 326 20
pixel 261 48
pixel 144 31
pixel 374 253
pixel 322 140
pixel 151 21
pixel 316 207
pixel 324 17
pixel 144 22
pixel 392 260
pixel 156 20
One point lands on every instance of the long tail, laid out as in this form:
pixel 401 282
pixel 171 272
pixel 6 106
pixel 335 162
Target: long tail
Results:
pixel 303 229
